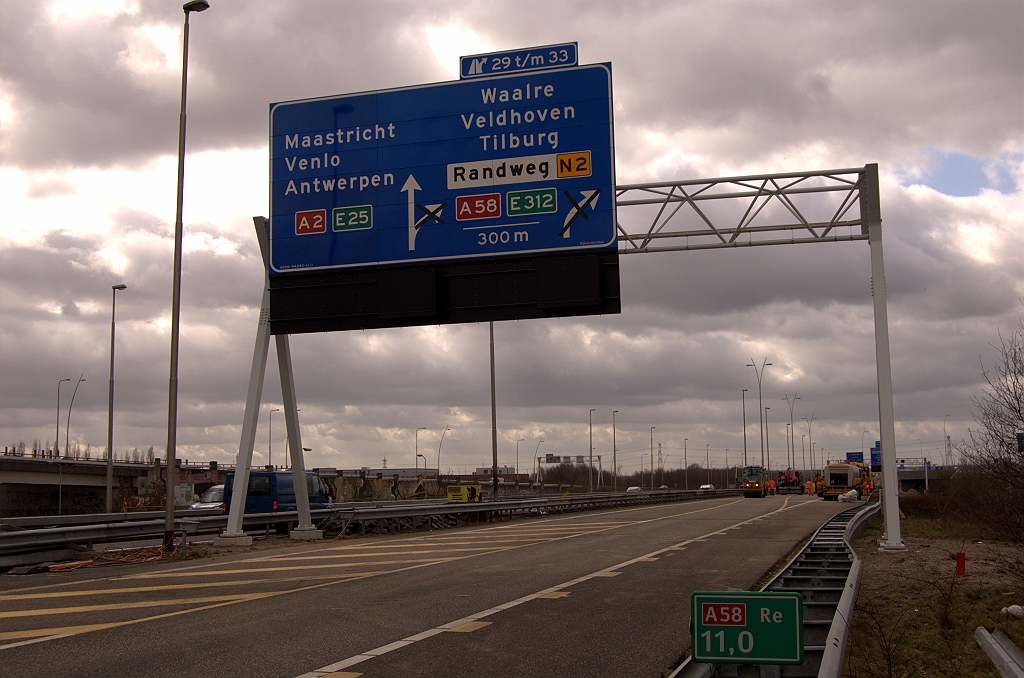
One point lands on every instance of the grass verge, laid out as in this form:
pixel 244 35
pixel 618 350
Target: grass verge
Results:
pixel 915 617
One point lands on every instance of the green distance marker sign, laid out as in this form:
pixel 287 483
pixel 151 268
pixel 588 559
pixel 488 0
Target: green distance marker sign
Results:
pixel 747 628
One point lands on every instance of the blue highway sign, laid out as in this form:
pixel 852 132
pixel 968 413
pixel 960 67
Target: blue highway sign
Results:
pixel 518 60
pixel 477 168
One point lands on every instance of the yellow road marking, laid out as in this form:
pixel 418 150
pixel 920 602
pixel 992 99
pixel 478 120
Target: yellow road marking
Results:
pixel 648 560
pixel 342 674
pixel 420 544
pixel 74 630
pixel 678 548
pixel 365 555
pixel 554 595
pixel 208 573
pixel 85 628
pixel 469 627
pixel 161 587
pixel 122 606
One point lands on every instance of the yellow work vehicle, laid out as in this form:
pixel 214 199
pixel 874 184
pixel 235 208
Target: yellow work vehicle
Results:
pixel 840 478
pixel 462 494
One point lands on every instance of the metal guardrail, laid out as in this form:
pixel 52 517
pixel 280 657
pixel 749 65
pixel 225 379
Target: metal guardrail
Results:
pixel 826 573
pixel 373 516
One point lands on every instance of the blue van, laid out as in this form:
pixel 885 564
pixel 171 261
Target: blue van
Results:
pixel 274 491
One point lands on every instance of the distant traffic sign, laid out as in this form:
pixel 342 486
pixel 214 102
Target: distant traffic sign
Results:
pixel 747 628
pixel 518 60
pixel 475 169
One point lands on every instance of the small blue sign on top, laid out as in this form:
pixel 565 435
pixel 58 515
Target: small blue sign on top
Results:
pixel 504 165
pixel 855 456
pixel 518 60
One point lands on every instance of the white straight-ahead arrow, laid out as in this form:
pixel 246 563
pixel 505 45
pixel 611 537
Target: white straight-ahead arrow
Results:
pixel 410 186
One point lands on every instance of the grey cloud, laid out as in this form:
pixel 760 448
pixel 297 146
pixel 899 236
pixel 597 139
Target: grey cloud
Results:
pixel 745 84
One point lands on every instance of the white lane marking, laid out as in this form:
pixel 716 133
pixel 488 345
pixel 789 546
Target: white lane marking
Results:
pixel 405 642
pixel 8 646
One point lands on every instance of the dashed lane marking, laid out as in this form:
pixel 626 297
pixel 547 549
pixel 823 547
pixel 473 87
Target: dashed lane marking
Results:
pixel 469 627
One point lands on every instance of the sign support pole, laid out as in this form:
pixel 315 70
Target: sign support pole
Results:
pixel 871 209
pixel 494 417
pixel 305 530
pixel 233 534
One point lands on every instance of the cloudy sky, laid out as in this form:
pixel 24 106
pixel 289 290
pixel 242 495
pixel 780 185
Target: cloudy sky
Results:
pixel 931 91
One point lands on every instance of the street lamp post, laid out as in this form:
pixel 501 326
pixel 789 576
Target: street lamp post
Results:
pixel 652 461
pixel 590 468
pixel 727 468
pixel 56 436
pixel 446 429
pixel 686 469
pixel 521 440
pixel 789 464
pixel 803 454
pixel 110 402
pixel 536 472
pixel 810 438
pixel 946 451
pixel 707 460
pixel 418 455
pixel 172 386
pixel 790 441
pixel 270 438
pixel 744 397
pixel 615 467
pixel 416 459
pixel 67 426
pixel 760 402
pixel 767 442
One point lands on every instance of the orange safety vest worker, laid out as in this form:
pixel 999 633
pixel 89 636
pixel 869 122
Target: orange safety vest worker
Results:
pixel 771 486
pixel 810 488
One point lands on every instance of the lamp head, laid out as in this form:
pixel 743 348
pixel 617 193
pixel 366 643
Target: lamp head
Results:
pixel 119 287
pixel 196 6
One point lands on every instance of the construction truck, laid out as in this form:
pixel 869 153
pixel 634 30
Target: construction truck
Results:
pixel 840 477
pixel 790 482
pixel 754 481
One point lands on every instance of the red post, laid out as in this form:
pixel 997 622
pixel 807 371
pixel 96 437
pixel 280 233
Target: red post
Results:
pixel 961 563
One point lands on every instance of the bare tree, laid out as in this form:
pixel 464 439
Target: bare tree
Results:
pixel 994 449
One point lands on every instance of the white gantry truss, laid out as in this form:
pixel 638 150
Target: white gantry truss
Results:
pixel 744 211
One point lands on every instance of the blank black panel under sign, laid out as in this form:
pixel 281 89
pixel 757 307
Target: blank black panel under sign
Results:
pixel 442 293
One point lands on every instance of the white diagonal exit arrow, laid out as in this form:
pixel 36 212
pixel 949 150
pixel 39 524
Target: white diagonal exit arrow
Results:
pixel 410 186
pixel 579 209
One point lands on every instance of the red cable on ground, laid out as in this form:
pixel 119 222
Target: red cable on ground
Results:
pixel 129 558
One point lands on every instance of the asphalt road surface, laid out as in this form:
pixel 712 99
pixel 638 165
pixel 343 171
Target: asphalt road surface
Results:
pixel 602 593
